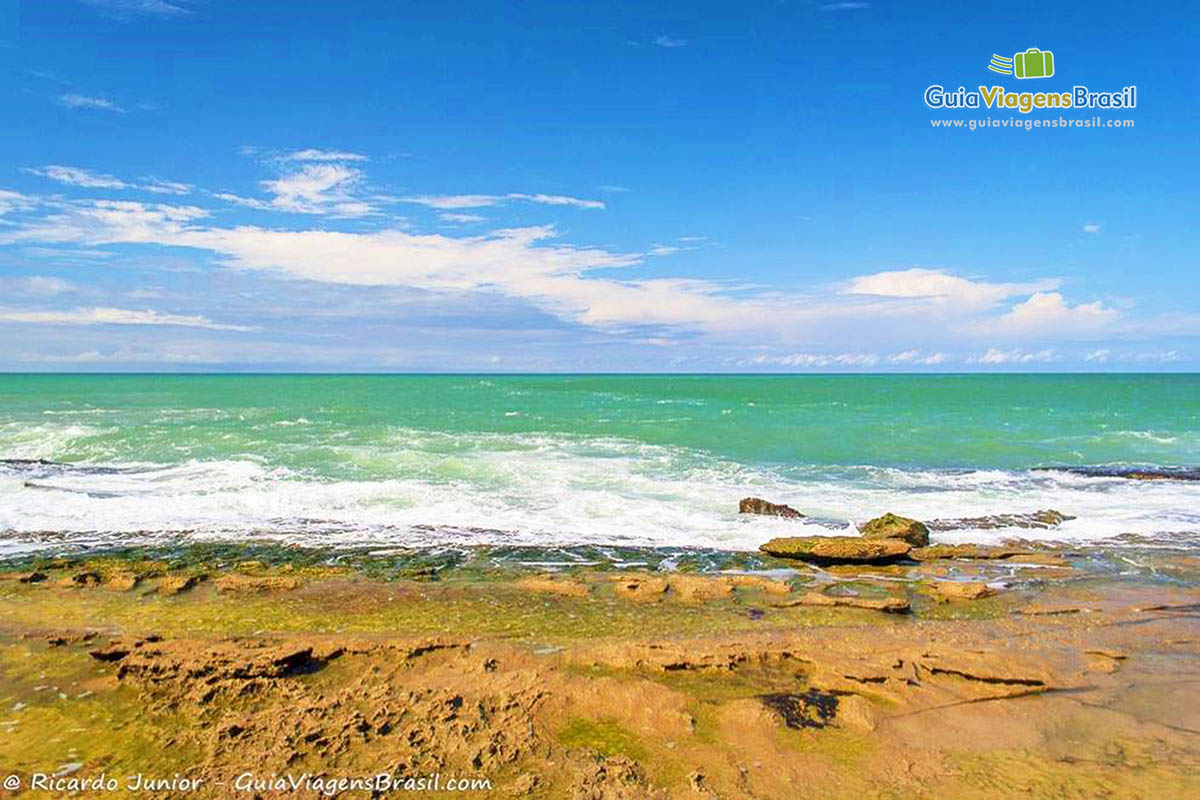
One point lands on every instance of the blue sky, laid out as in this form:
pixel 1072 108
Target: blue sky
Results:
pixel 203 185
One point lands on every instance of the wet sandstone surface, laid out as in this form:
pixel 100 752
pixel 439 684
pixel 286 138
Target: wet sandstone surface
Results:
pixel 1004 672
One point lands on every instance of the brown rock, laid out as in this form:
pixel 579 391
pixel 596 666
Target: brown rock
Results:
pixel 551 584
pixel 973 551
pixel 768 585
pixel 122 581
pixel 1038 610
pixel 698 588
pixel 756 505
pixel 175 584
pixel 890 605
pixel 247 584
pixel 641 589
pixel 963 590
pixel 86 578
pixel 856 713
pixel 837 549
pixel 892 526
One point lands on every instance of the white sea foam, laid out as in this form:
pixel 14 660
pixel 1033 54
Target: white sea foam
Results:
pixel 422 488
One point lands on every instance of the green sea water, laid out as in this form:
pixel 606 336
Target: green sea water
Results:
pixel 541 458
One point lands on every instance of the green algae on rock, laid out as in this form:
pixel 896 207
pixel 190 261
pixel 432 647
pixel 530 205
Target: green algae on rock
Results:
pixel 837 549
pixel 893 526
pixel 970 551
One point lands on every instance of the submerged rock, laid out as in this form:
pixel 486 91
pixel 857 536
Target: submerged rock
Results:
pixel 889 605
pixel 1130 473
pixel 756 505
pixel 893 526
pixel 837 549
pixel 1046 518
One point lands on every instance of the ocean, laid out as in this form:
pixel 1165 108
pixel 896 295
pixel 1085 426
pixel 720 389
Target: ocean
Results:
pixel 553 460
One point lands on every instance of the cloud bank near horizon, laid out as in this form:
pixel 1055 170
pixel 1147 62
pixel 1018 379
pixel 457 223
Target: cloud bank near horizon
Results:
pixel 321 222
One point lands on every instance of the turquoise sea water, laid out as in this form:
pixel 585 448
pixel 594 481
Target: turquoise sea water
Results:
pixel 566 459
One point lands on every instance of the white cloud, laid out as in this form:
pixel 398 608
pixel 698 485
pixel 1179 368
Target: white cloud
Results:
pixel 118 221
pixel 844 6
pixel 90 179
pixel 1162 357
pixel 247 202
pixel 555 200
pixel 34 286
pixel 460 201
pixel 123 8
pixel 14 201
pixel 815 360
pixel 1105 355
pixel 455 201
pixel 40 284
pixel 1048 314
pixel 893 309
pixel 461 218
pixel 159 186
pixel 995 356
pixel 319 188
pixel 312 154
pixel 78 176
pixel 915 357
pixel 171 354
pixel 1091 227
pixel 519 262
pixel 84 101
pixel 936 286
pixel 113 316
pixel 669 41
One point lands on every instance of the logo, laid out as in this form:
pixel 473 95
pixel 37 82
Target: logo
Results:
pixel 1033 63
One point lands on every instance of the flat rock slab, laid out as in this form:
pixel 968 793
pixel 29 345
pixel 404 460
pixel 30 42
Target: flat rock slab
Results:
pixel 964 590
pixel 970 551
pixel 890 605
pixel 837 549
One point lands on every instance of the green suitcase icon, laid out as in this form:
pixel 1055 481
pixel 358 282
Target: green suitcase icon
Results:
pixel 1034 63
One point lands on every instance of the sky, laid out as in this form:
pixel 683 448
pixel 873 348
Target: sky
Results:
pixel 202 185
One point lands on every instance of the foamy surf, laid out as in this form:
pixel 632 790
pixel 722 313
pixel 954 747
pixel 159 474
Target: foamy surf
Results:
pixel 566 460
pixel 554 493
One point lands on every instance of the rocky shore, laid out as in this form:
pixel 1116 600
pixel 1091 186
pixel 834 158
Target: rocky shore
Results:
pixel 1021 671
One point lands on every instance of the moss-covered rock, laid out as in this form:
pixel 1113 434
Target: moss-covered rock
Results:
pixel 893 526
pixel 837 549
